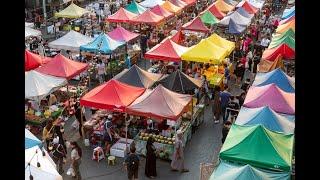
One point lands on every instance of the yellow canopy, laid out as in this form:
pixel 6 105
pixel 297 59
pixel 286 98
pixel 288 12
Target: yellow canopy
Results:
pixel 284 27
pixel 171 7
pixel 72 11
pixel 222 42
pixel 205 52
pixel 223 6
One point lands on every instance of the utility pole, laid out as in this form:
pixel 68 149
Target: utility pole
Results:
pixel 44 15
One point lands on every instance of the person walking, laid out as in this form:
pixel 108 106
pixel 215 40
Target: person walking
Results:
pixel 151 159
pixel 58 154
pixel 225 98
pixel 225 130
pixel 177 163
pixel 101 68
pixel 47 134
pixel 216 108
pixel 76 155
pixel 131 163
pixel 78 117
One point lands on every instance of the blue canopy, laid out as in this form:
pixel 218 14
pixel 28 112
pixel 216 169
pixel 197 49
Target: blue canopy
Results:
pixel 235 28
pixel 244 13
pixel 278 77
pixel 31 140
pixel 287 13
pixel 103 44
pixel 268 118
pixel 228 170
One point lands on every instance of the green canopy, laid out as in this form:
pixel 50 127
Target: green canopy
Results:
pixel 136 8
pixel 289 33
pixel 258 147
pixel 284 40
pixel 209 18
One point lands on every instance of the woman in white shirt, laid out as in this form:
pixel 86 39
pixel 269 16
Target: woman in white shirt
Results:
pixel 76 154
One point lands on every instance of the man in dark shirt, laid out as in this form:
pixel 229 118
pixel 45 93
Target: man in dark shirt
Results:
pixel 233 108
pixel 225 98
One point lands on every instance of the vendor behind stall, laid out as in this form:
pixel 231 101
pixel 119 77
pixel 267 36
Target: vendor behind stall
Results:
pixel 107 134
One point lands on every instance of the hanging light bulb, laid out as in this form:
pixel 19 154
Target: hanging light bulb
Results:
pixel 31 177
pixel 38 165
pixel 43 153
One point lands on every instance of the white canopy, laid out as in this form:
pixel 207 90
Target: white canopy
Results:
pixel 38 85
pixel 151 3
pixel 31 32
pixel 27 24
pixel 71 41
pixel 237 17
pixel 257 3
pixel 47 169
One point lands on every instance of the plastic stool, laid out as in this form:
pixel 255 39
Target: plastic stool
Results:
pixel 98 154
pixel 111 160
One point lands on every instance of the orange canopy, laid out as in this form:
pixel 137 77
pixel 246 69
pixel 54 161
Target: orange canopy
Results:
pixel 284 27
pixel 171 7
pixel 266 66
pixel 223 6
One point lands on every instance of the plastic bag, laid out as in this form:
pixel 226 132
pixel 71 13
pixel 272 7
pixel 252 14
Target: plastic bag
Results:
pixel 86 142
pixel 75 124
pixel 71 172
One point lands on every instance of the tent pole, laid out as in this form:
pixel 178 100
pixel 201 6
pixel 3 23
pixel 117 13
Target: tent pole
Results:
pixel 83 135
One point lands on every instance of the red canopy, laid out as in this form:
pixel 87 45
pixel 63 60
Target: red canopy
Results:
pixel 179 3
pixel 160 103
pixel 216 12
pixel 195 25
pixel 61 66
pixel 121 34
pixel 178 37
pixel 158 10
pixel 167 50
pixel 31 60
pixel 190 2
pixel 148 17
pixel 121 15
pixel 284 50
pixel 112 95
pixel 249 8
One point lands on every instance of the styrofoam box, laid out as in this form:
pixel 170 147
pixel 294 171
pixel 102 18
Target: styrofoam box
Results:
pixel 118 149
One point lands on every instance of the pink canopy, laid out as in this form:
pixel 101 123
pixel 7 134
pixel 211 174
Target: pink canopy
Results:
pixel 31 60
pixel 272 96
pixel 158 10
pixel 121 34
pixel 160 103
pixel 148 17
pixel 196 25
pixel 122 15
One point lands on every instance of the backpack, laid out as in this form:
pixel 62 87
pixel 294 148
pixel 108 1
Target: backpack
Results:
pixel 132 162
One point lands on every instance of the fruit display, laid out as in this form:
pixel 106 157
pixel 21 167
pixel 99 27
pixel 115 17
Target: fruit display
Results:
pixel 157 138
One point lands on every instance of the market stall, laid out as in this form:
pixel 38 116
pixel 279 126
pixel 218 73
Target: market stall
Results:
pixel 32 61
pixel 135 8
pixel 160 11
pixel 216 12
pixel 29 32
pixel 72 11
pixel 122 15
pixel 196 25
pixel 151 3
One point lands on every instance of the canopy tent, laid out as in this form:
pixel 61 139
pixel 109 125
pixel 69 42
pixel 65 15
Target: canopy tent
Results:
pixel 190 2
pixel 257 3
pixel 235 28
pixel 103 44
pixel 122 15
pixel 278 77
pixel 72 11
pixel 205 52
pixel 208 18
pixel 178 37
pixel 167 50
pixel 29 32
pixel 31 60
pixel 31 140
pixel 179 3
pixel 30 25
pixel 232 2
pixel 284 40
pixel 289 33
pixel 244 13
pixel 135 8
pixel 160 103
pixel 223 6
pixel 61 66
pixel 216 12
pixel 237 18
pixel 272 96
pixel 148 17
pixel 248 7
pixel 137 77
pixel 266 117
pixel 151 3
pixel 196 25
pixel 222 42
pixel 47 169
pixel 284 27
pixel 160 11
pixel 269 150
pixel 284 50
pixel 38 85
pixel 284 21
pixel 265 66
pixel 112 95
pixel 71 41
pixel 121 34
pixel 171 7
pixel 180 82
pixel 228 170
pixel 287 13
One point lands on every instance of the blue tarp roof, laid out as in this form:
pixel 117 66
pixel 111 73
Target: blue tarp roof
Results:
pixel 31 140
pixel 235 28
pixel 268 118
pixel 278 77
pixel 287 13
pixel 227 170
pixel 244 13
pixel 103 44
